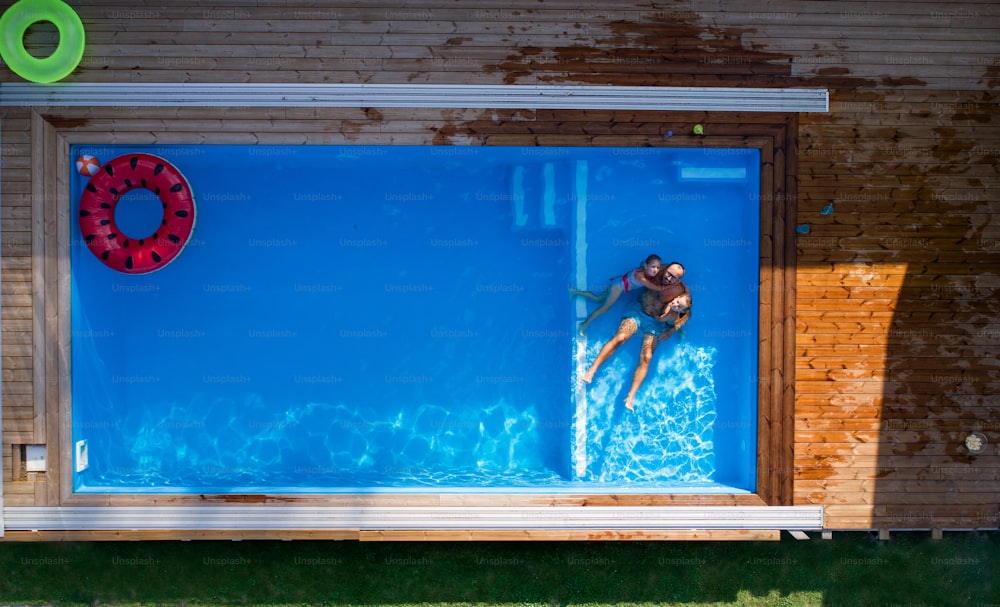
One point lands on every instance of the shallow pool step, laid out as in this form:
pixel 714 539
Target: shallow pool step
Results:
pixel 533 197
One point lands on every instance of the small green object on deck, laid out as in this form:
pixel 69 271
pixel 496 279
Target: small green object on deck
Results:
pixel 699 130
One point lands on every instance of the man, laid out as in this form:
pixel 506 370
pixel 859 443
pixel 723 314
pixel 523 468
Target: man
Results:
pixel 648 316
pixel 676 314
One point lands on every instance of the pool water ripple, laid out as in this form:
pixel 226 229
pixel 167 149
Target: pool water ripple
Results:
pixel 669 435
pixel 349 328
pixel 335 445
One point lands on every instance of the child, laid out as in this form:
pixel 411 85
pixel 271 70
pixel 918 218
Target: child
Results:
pixel 675 314
pixel 639 277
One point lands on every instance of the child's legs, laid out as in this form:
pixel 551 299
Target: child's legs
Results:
pixel 612 295
pixel 590 295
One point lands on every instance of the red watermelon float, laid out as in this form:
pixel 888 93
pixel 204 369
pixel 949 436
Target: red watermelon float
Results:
pixel 97 213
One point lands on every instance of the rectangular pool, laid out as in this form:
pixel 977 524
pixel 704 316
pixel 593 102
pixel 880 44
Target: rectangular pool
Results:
pixel 397 319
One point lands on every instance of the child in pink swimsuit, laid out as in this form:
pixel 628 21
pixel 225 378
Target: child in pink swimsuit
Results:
pixel 639 277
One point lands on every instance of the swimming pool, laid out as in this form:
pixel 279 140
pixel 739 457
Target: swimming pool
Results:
pixel 397 319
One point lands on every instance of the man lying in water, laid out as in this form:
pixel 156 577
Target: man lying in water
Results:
pixel 676 314
pixel 657 314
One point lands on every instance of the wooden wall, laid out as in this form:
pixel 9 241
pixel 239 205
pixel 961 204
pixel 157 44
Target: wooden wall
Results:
pixel 897 313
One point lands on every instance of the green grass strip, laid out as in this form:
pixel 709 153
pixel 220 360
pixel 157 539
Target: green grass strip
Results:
pixel 852 569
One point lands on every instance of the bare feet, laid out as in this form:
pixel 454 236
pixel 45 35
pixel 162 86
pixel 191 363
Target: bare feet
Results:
pixel 583 328
pixel 628 402
pixel 587 377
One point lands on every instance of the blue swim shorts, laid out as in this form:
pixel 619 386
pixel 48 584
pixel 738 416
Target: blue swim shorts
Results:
pixel 647 324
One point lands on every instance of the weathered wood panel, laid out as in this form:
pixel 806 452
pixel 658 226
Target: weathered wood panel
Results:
pixel 16 286
pixel 910 44
pixel 896 310
pixel 886 398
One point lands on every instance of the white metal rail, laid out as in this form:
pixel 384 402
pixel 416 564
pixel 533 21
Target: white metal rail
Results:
pixel 117 94
pixel 384 518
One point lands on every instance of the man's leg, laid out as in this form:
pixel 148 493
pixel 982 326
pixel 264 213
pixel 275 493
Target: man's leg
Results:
pixel 649 342
pixel 626 329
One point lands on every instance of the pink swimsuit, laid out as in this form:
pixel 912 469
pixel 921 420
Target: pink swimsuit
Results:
pixel 629 282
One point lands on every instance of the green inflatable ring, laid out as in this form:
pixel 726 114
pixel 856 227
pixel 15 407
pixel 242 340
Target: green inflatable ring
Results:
pixel 25 13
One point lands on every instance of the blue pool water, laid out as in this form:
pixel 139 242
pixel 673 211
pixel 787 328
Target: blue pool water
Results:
pixel 375 318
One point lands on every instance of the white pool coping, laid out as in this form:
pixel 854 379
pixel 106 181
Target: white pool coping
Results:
pixel 186 94
pixel 410 518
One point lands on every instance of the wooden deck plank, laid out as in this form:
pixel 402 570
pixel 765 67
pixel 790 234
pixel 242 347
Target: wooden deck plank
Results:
pixel 523 73
pixel 861 466
pixel 923 502
pixel 399 536
pixel 445 499
pixel 884 417
pixel 878 479
pixel 913 450
pixel 549 536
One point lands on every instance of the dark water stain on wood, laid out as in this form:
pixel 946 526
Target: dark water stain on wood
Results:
pixel 668 51
pixel 991 75
pixel 68 123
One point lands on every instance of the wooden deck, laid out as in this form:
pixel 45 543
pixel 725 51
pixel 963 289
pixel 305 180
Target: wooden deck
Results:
pixel 896 328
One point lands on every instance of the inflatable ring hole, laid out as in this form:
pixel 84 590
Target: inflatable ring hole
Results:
pixel 139 213
pixel 46 39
